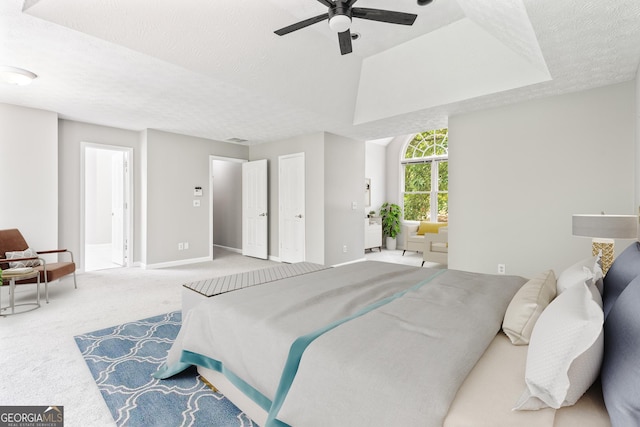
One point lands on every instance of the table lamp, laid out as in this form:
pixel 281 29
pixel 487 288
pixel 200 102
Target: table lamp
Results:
pixel 603 229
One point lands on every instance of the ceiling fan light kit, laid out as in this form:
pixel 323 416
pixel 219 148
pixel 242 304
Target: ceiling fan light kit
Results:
pixel 340 14
pixel 340 23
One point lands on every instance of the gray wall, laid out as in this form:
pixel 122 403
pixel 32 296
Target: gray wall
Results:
pixel 29 174
pixel 166 167
pixel 175 165
pixel 334 179
pixel 313 147
pixel 637 118
pixel 227 203
pixel 71 135
pixel 344 160
pixel 518 173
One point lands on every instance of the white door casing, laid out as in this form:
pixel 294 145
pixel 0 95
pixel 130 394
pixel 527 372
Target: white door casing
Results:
pixel 292 218
pixel 255 219
pixel 117 207
pixel 127 200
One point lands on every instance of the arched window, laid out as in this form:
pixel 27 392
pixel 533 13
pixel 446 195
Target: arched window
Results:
pixel 425 167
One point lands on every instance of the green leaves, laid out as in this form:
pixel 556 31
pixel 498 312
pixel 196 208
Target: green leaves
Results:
pixel 390 213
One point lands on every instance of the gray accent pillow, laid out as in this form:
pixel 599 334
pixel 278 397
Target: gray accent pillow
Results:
pixel 620 374
pixel 624 269
pixel 27 253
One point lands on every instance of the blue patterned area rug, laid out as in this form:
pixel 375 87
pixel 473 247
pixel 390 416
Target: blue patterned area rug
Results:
pixel 122 359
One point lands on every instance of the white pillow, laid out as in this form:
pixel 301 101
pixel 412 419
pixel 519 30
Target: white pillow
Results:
pixel 587 269
pixel 565 351
pixel 27 253
pixel 527 305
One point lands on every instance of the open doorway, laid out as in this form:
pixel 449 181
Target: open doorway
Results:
pixel 107 206
pixel 225 209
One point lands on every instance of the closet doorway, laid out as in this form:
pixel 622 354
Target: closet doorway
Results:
pixel 225 209
pixel 106 215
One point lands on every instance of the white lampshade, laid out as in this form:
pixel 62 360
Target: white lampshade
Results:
pixel 16 76
pixel 340 23
pixel 606 226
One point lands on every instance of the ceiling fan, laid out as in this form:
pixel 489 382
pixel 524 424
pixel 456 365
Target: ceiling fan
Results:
pixel 340 14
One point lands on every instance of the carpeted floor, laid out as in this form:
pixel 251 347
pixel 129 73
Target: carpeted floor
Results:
pixel 123 357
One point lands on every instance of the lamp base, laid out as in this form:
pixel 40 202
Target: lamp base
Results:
pixel 606 247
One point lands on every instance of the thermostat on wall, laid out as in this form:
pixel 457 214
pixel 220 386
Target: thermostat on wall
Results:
pixel 197 191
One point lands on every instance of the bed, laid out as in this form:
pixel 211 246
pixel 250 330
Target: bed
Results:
pixel 373 344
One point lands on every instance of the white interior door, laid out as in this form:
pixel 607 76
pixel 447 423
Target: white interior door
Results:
pixel 255 225
pixel 117 207
pixel 291 172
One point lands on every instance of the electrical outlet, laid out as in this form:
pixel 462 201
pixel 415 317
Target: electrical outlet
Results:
pixel 180 246
pixel 344 249
pixel 502 268
pixel 186 245
pixel 196 203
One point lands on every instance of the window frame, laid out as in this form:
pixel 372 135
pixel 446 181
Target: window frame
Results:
pixel 435 161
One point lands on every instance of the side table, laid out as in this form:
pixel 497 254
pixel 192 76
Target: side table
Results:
pixel 10 277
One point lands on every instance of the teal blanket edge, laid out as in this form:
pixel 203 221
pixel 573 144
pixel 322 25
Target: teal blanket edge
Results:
pixel 290 370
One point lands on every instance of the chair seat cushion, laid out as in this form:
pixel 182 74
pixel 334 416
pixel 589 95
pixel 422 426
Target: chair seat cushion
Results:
pixel 415 238
pixel 55 270
pixel 439 247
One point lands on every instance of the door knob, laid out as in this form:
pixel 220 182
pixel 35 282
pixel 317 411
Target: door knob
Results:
pixel 299 216
pixel 263 214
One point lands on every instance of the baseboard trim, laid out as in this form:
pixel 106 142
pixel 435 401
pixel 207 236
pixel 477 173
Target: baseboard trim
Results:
pixel 174 263
pixel 230 249
pixel 349 262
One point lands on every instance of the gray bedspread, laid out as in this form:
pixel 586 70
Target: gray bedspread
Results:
pixel 366 344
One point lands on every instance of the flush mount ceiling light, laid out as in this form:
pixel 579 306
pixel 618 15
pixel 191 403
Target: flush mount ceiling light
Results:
pixel 15 76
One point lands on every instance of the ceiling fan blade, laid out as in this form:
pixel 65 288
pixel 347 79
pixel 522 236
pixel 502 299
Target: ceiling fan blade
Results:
pixel 350 3
pixel 302 24
pixel 345 42
pixel 326 3
pixel 384 16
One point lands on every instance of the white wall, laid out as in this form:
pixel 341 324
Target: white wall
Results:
pixel 375 169
pixel 518 173
pixel 98 197
pixel 227 203
pixel 29 174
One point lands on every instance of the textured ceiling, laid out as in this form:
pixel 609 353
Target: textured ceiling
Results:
pixel 214 69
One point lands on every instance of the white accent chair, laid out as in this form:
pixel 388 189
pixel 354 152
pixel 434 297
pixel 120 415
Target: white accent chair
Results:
pixel 410 240
pixel 436 247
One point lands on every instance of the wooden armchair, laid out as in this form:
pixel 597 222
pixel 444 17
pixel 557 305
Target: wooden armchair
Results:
pixel 11 240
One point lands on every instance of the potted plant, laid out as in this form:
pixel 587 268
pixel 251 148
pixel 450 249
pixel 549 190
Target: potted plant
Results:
pixel 390 213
